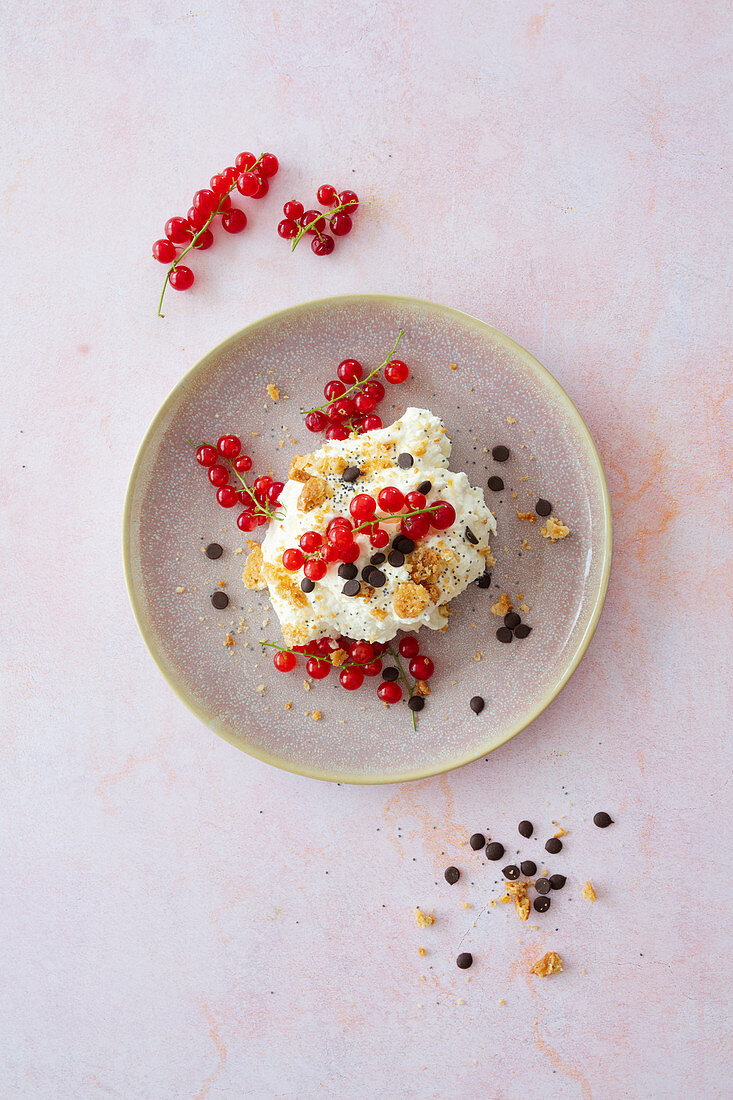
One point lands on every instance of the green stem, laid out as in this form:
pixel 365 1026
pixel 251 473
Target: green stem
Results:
pixel 360 383
pixel 403 677
pixel 304 229
pixel 391 516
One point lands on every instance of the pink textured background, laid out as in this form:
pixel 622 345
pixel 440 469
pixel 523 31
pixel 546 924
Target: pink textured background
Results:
pixel 181 921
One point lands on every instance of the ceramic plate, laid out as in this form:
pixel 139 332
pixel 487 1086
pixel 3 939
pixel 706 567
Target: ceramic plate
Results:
pixel 497 393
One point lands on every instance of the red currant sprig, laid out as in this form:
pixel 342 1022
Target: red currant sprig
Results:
pixel 340 406
pixel 250 178
pixel 226 459
pixel 298 222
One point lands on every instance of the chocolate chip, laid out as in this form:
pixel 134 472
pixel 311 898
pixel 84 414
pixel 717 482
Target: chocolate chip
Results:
pixel 511 871
pixel 451 875
pixel 378 559
pixel 351 588
pixel 529 867
pixel 522 630
pixel 220 600
pixel 494 850
pixel 495 484
pixel 464 960
pixel 478 840
pixel 500 453
pixel 542 886
pixel 542 904
pixel 390 673
pixel 403 544
pixel 377 578
pixel 484 580
pixel 396 558
pixel 526 828
pixel 347 571
pixel 477 704
pixel 504 634
pixel 543 507
pixel 471 537
pixel 351 473
pixel 366 572
pixel 307 584
pixel 424 487
pixel 557 881
pixel 404 461
pixel 214 551
pixel 511 619
pixel 416 702
pixel 553 845
pixel 602 820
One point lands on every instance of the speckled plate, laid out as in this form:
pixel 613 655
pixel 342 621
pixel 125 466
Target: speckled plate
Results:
pixel 497 393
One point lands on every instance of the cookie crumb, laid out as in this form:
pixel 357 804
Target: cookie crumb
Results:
pixel 252 575
pixel 421 951
pixel 273 392
pixel 260 688
pixel 288 706
pixel 424 920
pixel 228 641
pixel 550 963
pixel 511 420
pixel 316 715
pixel 453 366
pixel 554 530
pixel 517 891
pixel 180 590
pixel 588 892
pixel 529 516
pixel 502 606
pixel 338 657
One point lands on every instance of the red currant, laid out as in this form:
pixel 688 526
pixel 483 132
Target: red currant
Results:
pixel 316 669
pixel 391 499
pixel 227 496
pixel 340 537
pixel 229 446
pixel 273 493
pixel 245 161
pixel 340 224
pixel 234 220
pixel 204 202
pixel 293 558
pixel 415 527
pixel 375 389
pixel 379 538
pixel 218 475
pixel 263 188
pixel 316 421
pixel 287 229
pixel 422 668
pixel 284 662
pixel 363 403
pixel 268 165
pixel 195 220
pixel 323 245
pixel 313 221
pixel 248 184
pixel 229 175
pixel 178 230
pixel 389 692
pixel 371 423
pixel 315 569
pixel 361 652
pixel 337 411
pixel 349 553
pixel 206 455
pixel 225 203
pixel 262 483
pixel 326 646
pixel 373 668
pixel 349 371
pixel 219 185
pixel 310 541
pixel 351 678
pixel 246 521
pixel 333 389
pixel 396 372
pixel 260 519
pixel 242 464
pixel 181 278
pixel 205 240
pixel 330 553
pixel 337 431
pixel 415 500
pixel 293 209
pixel 349 198
pixel 409 646
pixel 338 521
pixel 442 515
pixel 326 195
pixel 362 506
pixel 164 251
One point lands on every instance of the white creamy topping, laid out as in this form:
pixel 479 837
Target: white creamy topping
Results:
pixel 326 611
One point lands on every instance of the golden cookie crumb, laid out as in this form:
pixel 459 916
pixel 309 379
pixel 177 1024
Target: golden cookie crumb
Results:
pixel 588 892
pixel 180 590
pixel 426 564
pixel 485 552
pixel 421 951
pixel 502 605
pixel 297 471
pixel 378 613
pixel 273 392
pixel 338 657
pixel 453 366
pixel 316 715
pixel 529 516
pixel 288 706
pixel 424 920
pixel 560 831
pixel 550 963
pixel 228 640
pixel 422 687
pixel 518 891
pixel 252 575
pixel 313 494
pixel 409 600
pixel 511 420
pixel 554 530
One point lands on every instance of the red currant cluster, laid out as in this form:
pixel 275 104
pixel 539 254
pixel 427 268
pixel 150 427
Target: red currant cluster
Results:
pixel 249 176
pixel 297 221
pixel 352 399
pixel 227 460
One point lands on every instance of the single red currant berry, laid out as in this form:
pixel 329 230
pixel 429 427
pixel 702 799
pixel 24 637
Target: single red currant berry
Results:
pixel 361 652
pixel 422 668
pixel 245 161
pixel 227 496
pixel 268 165
pixel 415 500
pixel 379 538
pixel 389 692
pixel 345 407
pixel 326 646
pixel 181 278
pixel 391 499
pixel 164 251
pixel 396 372
pixel 263 188
pixel 442 515
pixel 225 203
pixel 260 519
pixel 333 389
pixel 335 411
pixel 287 229
pixel 248 184
pixel 229 175
pixel 242 464
pixel 350 199
pixel 373 668
pixel 351 678
pixel 205 240
pixel 234 220
pixel 284 662
pixel 246 521
pixel 273 493
pixel 349 371
pixel 206 455
pixel 374 389
pixel 317 670
pixel 218 185
pixel 323 245
pixel 293 558
pixel 229 446
pixel 409 646
pixel 195 219
pixel 315 569
pixel 205 201
pixel 340 224
pixel 262 483
pixel 316 421
pixel 178 230
pixel 310 541
pixel 349 553
pixel 293 209
pixel 371 423
pixel 337 431
pixel 326 195
pixel 339 521
pixel 362 506
pixel 313 221
pixel 363 403
pixel 415 527
pixel 218 475
pixel 330 553
pixel 341 537
pixel 379 647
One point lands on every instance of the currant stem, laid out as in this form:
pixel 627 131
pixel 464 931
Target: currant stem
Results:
pixel 361 382
pixel 405 681
pixel 390 516
pixel 269 512
pixel 304 229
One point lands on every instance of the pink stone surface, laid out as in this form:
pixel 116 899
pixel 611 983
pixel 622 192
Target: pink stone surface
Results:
pixel 179 920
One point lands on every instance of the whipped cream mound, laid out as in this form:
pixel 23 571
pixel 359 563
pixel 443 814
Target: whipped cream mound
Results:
pixel 415 593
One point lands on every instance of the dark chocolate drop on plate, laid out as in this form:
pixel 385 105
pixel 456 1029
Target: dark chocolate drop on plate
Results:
pixel 494 850
pixel 542 886
pixel 484 580
pixel 500 453
pixel 390 674
pixel 220 600
pixel 511 619
pixel 504 634
pixel 511 871
pixel 214 551
pixel 416 702
pixel 557 881
pixel 477 704
pixel 521 630
pixel 543 507
pixel 495 484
